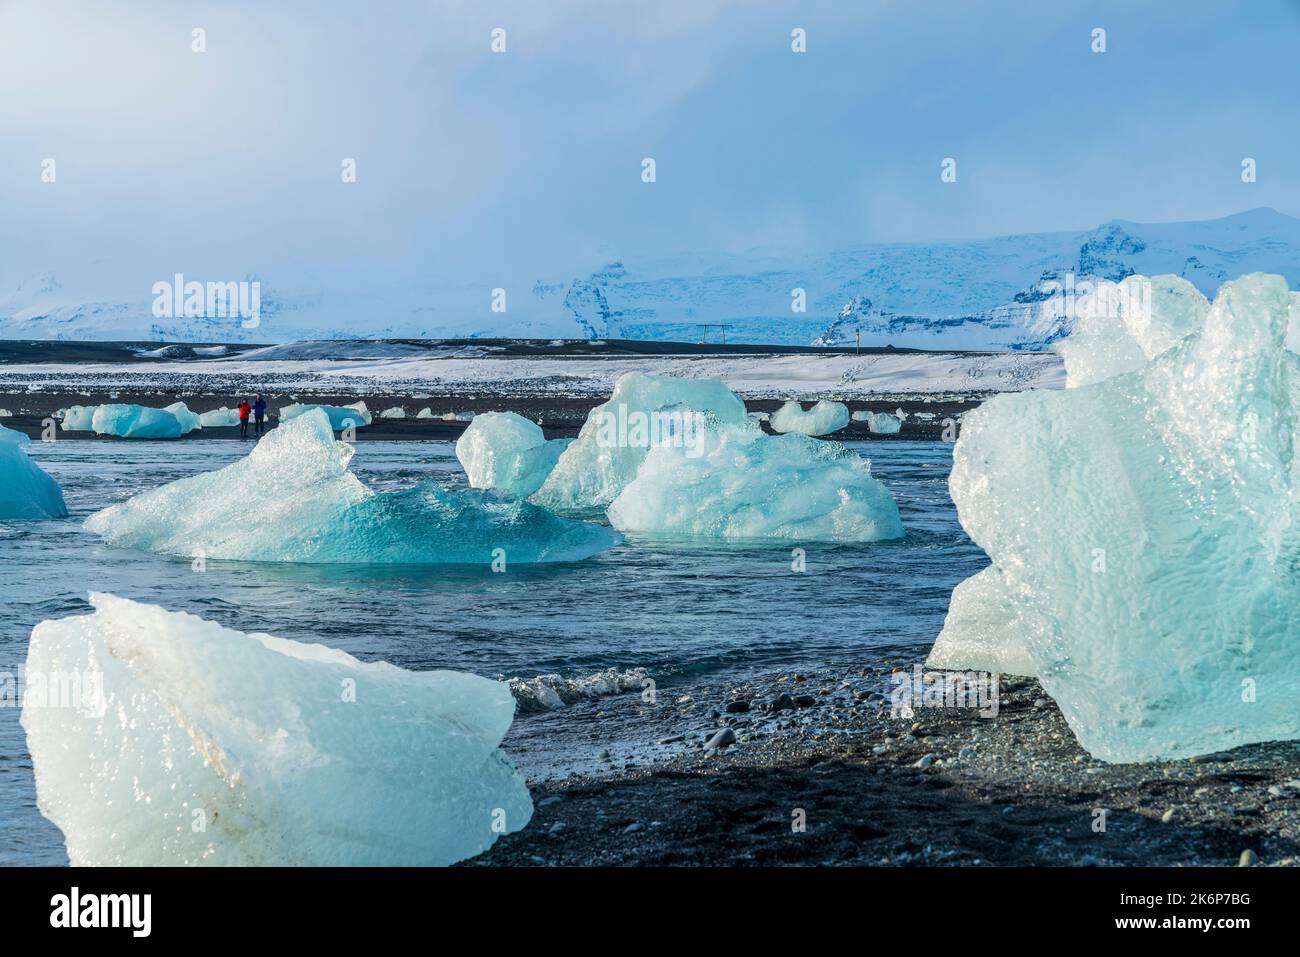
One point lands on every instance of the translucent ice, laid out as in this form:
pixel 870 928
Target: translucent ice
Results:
pixel 135 422
pixel 984 630
pixel 396 412
pixel 738 483
pixel 822 419
pixel 614 440
pixel 308 507
pixel 27 493
pixel 188 420
pixel 882 423
pixel 285 753
pixel 219 418
pixel 355 415
pixel 1144 531
pixel 78 418
pixel 506 452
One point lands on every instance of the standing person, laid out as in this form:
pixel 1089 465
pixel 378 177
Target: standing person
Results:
pixel 244 409
pixel 259 414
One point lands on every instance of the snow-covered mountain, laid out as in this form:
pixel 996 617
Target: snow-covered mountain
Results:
pixel 1013 292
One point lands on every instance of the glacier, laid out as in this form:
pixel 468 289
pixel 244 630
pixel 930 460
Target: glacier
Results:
pixel 340 417
pixel 737 483
pixel 822 419
pixel 310 508
pixel 507 452
pixel 188 743
pixel 27 492
pixel 618 434
pixel 1142 528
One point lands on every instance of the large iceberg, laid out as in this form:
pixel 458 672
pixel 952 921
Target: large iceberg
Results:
pixel 130 421
pixel 822 419
pixel 305 506
pixel 1143 528
pixel 735 482
pixel 643 411
pixel 508 453
pixel 340 416
pixel 186 743
pixel 219 418
pixel 27 492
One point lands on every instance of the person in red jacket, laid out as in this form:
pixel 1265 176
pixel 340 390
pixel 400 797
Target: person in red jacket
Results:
pixel 244 409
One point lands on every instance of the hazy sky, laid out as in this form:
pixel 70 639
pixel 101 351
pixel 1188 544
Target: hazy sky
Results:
pixel 529 162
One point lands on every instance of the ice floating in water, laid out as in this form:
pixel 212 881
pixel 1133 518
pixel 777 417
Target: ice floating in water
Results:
pixel 221 418
pixel 506 452
pixel 425 413
pixel 309 508
pixel 1143 530
pixel 882 423
pixel 614 440
pixel 396 412
pixel 548 692
pixel 355 415
pixel 822 419
pixel 737 483
pixel 286 753
pixel 27 492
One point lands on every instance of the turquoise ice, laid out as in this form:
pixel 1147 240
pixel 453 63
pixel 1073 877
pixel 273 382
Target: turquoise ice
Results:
pixel 508 453
pixel 737 483
pixel 619 433
pixel 1143 529
pixel 822 419
pixel 341 417
pixel 175 741
pixel 27 492
pixel 130 421
pixel 292 499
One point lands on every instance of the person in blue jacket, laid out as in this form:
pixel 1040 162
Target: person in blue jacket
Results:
pixel 259 414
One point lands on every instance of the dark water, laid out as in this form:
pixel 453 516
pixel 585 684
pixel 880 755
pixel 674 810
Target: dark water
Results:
pixel 676 611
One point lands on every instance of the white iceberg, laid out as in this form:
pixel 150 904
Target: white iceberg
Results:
pixel 822 419
pixel 340 416
pixel 78 418
pixel 425 413
pixel 881 423
pixel 642 411
pixel 221 418
pixel 188 743
pixel 508 453
pixel 396 412
pixel 737 483
pixel 27 492
pixel 188 420
pixel 1143 530
pixel 310 508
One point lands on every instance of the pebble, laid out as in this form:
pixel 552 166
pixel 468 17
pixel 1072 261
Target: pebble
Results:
pixel 925 762
pixel 720 740
pixel 781 702
pixel 602 756
pixel 736 707
pixel 804 701
pixel 632 828
pixel 1167 816
pixel 1248 858
pixel 547 802
pixel 966 754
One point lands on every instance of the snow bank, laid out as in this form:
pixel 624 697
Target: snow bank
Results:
pixel 738 483
pixel 1144 531
pixel 619 433
pixel 191 743
pixel 822 419
pixel 355 415
pixel 507 452
pixel 310 508
pixel 27 492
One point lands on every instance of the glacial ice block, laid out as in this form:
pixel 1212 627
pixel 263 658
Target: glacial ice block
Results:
pixel 355 415
pixel 187 419
pixel 1145 527
pixel 78 418
pixel 188 743
pixel 135 422
pixel 984 630
pixel 309 508
pixel 508 453
pixel 738 483
pixel 881 423
pixel 643 410
pixel 219 418
pixel 822 419
pixel 27 492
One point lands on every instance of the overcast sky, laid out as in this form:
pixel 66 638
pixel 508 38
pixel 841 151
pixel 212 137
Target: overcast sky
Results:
pixel 470 162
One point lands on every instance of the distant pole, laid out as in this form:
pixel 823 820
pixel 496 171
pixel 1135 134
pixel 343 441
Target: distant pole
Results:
pixel 857 340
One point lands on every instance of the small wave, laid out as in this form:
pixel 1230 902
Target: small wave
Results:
pixel 548 692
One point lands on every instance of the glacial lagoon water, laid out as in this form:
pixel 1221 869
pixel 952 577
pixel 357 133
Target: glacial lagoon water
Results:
pixel 678 611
